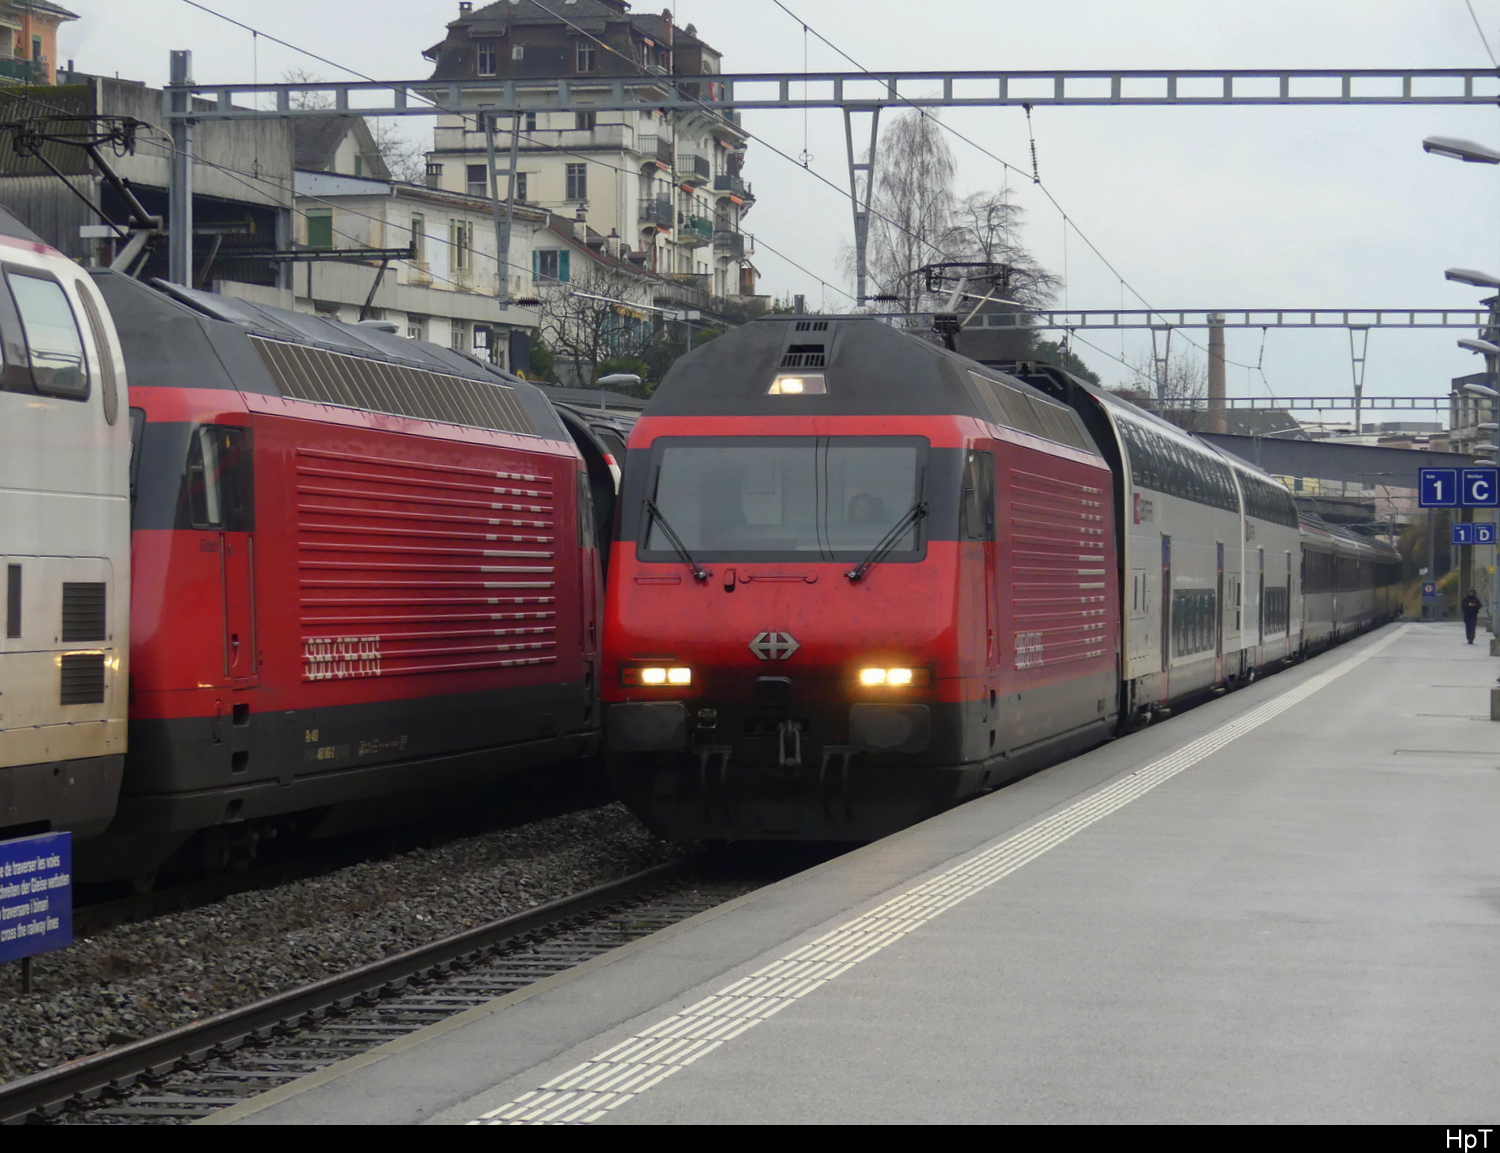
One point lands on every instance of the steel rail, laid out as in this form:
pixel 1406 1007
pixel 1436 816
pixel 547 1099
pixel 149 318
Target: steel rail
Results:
pixel 45 1093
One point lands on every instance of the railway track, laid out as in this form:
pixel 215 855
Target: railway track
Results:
pixel 192 1072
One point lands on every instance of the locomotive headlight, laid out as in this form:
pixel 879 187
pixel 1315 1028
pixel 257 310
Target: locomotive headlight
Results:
pixel 893 678
pixel 656 676
pixel 798 384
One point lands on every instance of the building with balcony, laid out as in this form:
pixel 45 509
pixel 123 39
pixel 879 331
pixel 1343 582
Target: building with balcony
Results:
pixel 1467 412
pixel 661 184
pixel 28 40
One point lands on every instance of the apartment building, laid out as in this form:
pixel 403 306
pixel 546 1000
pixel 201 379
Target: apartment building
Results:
pixel 666 188
pixel 28 40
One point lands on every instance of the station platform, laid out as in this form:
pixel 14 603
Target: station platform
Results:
pixel 1282 906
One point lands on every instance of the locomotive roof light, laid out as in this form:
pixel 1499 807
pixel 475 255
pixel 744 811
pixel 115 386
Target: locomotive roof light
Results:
pixel 799 384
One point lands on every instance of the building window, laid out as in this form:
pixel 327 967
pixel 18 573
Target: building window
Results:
pixel 585 121
pixel 461 239
pixel 587 61
pixel 320 228
pixel 416 328
pixel 578 182
pixel 550 264
pixel 479 180
pixel 531 122
pixel 459 338
pixel 487 58
pixel 419 237
pixel 518 52
pixel 521 186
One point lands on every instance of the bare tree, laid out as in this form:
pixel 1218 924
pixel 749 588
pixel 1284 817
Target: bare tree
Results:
pixel 589 320
pixel 984 228
pixel 911 218
pixel 303 101
pixel 1176 389
pixel 406 159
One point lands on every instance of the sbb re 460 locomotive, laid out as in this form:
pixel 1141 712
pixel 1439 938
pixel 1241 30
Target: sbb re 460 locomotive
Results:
pixel 858 577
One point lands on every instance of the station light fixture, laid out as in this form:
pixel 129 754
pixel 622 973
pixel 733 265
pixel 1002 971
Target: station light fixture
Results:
pixel 1472 277
pixel 1482 389
pixel 1456 149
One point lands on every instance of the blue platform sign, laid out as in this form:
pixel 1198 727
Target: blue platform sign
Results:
pixel 1438 488
pixel 1463 533
pixel 1484 532
pixel 1480 488
pixel 36 895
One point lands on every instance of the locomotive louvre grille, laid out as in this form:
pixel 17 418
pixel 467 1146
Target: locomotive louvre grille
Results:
pixel 410 567
pixel 812 326
pixel 805 356
pixel 83 611
pixel 305 373
pixel 82 679
pixel 1025 413
pixel 1059 582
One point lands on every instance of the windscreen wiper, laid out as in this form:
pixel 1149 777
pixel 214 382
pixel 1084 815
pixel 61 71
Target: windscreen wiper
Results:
pixel 887 542
pixel 699 572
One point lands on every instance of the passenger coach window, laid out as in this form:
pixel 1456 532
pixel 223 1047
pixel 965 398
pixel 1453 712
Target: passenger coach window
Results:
pixel 53 342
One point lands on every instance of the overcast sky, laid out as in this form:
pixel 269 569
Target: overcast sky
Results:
pixel 1328 207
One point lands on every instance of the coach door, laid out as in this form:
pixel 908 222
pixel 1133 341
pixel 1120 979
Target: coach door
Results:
pixel 1166 613
pixel 1219 621
pixel 223 498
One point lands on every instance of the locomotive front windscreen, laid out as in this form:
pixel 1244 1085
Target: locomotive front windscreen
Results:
pixel 775 498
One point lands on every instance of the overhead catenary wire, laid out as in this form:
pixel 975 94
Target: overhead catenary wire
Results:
pixel 1483 39
pixel 1009 167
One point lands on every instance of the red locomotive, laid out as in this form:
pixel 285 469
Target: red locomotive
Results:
pixel 364 578
pixel 857 578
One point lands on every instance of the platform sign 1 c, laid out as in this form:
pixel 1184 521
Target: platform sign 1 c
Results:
pixel 1438 488
pixel 1479 488
pixel 36 895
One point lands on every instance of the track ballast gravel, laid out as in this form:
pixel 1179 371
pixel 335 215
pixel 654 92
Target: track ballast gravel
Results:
pixel 139 980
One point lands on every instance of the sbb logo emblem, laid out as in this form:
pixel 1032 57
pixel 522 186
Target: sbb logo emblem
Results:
pixel 774 646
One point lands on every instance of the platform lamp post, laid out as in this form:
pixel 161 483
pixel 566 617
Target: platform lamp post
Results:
pixel 1492 451
pixel 1472 153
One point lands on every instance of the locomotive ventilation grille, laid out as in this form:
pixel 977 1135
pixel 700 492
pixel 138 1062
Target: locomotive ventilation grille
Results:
pixel 83 615
pixel 1026 413
pixel 1058 574
pixel 305 373
pixel 82 679
pixel 410 567
pixel 812 326
pixel 805 356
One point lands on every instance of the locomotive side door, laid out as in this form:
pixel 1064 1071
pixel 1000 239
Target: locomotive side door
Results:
pixel 223 499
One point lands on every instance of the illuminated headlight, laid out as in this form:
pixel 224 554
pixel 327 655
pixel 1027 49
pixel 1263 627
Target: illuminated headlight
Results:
pixel 788 384
pixel 655 677
pixel 896 678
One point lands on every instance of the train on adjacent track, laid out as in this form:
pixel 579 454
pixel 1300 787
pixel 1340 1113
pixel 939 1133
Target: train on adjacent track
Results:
pixel 266 574
pixel 858 578
pixel 304 577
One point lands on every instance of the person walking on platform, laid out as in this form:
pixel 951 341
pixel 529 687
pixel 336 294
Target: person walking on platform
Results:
pixel 1471 606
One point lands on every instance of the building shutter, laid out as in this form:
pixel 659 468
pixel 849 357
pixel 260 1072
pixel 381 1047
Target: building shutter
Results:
pixel 562 265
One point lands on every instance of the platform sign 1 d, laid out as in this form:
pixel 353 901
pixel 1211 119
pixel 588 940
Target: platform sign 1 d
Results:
pixel 1476 532
pixel 36 895
pixel 1484 532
